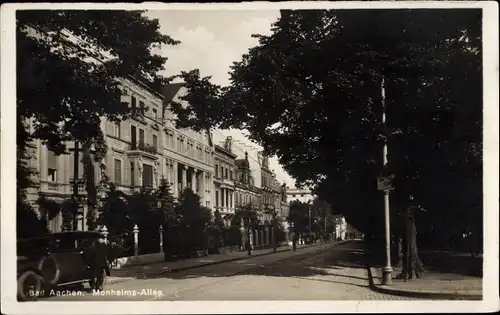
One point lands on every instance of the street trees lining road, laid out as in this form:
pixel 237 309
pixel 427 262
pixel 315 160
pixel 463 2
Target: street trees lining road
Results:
pixel 310 93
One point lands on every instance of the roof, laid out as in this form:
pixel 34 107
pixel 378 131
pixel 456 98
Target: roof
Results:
pixel 225 151
pixel 170 90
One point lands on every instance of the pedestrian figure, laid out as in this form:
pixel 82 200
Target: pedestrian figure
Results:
pixel 99 264
pixel 249 249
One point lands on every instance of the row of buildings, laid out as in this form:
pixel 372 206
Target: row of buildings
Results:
pixel 148 146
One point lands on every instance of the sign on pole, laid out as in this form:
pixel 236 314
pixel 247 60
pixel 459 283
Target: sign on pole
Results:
pixel 385 183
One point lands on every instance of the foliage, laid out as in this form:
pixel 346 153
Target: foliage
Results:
pixel 67 83
pixel 28 222
pixel 68 63
pixel 166 211
pixel 113 212
pixel 249 216
pixel 311 94
pixel 48 208
pixel 195 220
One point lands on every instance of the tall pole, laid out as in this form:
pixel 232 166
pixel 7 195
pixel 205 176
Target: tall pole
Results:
pixel 387 270
pixel 324 231
pixel 310 223
pixel 75 187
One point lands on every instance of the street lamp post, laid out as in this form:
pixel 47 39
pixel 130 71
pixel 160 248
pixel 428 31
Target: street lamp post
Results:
pixel 273 209
pixel 310 223
pixel 387 270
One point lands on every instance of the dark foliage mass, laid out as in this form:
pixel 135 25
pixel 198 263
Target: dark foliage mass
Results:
pixel 311 94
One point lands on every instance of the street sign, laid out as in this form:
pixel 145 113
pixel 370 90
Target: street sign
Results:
pixel 385 182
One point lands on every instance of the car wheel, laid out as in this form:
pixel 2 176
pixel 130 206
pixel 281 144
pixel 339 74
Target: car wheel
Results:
pixel 30 286
pixel 50 269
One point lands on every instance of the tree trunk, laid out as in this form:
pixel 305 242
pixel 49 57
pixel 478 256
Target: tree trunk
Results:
pixel 90 187
pixel 412 265
pixel 399 255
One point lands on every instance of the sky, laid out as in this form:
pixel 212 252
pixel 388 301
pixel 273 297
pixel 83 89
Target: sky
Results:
pixel 211 41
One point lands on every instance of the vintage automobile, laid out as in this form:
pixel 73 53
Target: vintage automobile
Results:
pixel 53 260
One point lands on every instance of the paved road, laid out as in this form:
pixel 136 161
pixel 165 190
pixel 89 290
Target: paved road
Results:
pixel 326 272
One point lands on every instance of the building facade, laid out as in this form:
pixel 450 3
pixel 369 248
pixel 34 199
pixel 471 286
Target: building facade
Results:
pixel 225 173
pixel 271 189
pixel 246 193
pixel 141 151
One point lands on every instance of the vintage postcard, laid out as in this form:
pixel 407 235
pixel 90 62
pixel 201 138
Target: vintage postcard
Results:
pixel 286 157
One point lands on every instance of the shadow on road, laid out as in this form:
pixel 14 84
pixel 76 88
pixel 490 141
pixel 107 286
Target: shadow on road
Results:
pixel 451 265
pixel 336 263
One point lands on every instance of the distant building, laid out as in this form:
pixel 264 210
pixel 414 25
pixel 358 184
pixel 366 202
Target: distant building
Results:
pixel 271 189
pixel 302 195
pixel 245 190
pixel 224 180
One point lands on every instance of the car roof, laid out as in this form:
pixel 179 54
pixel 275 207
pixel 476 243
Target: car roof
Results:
pixel 56 234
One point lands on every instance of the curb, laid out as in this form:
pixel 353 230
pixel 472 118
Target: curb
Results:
pixel 428 294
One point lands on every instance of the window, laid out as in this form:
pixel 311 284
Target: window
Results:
pixel 231 175
pixel 293 196
pixel 118 172
pixel 51 175
pixel 147 176
pixel 155 114
pixel 141 137
pixel 51 166
pixel 142 107
pixel 133 137
pixel 134 105
pixel 216 170
pixel 117 130
pixel 132 174
pixel 155 142
pixel 216 198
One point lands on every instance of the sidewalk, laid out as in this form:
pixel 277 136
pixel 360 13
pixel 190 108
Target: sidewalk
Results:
pixel 144 271
pixel 438 282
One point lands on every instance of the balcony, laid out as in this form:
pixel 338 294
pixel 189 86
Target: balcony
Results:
pixel 144 149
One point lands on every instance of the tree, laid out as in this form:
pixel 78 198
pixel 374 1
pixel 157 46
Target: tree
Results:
pixel 195 220
pixel 69 64
pixel 166 211
pixel 113 212
pixel 298 216
pixel 143 212
pixel 219 229
pixel 248 215
pixel 311 94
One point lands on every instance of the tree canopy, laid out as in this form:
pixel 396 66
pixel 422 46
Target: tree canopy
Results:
pixel 311 94
pixel 69 63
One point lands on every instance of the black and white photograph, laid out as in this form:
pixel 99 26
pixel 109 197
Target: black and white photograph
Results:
pixel 249 157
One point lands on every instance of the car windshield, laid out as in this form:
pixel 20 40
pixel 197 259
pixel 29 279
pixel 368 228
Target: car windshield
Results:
pixel 85 241
pixel 65 242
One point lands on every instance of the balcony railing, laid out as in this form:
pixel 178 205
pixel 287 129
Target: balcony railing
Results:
pixel 141 146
